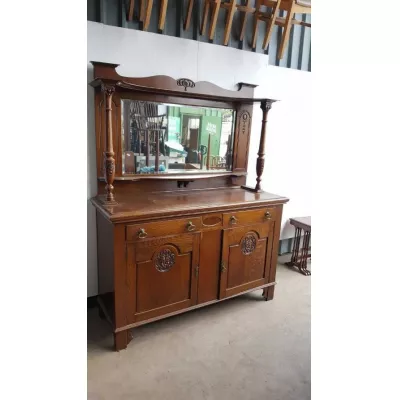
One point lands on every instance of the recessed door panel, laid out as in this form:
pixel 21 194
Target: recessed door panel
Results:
pixel 246 258
pixel 162 275
pixel 244 268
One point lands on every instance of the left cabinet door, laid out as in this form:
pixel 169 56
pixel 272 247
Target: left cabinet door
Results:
pixel 161 275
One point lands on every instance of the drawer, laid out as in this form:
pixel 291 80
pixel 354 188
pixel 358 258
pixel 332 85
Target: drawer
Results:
pixel 162 228
pixel 250 217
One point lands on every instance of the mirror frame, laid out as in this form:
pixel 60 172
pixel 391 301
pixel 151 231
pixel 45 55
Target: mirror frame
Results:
pixel 110 86
pixel 242 131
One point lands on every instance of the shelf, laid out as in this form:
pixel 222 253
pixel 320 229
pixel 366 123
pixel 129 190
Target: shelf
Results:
pixel 188 176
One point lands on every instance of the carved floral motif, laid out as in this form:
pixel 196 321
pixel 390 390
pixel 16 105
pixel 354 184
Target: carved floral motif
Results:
pixel 185 83
pixel 107 89
pixel 244 119
pixel 110 167
pixel 248 244
pixel 165 260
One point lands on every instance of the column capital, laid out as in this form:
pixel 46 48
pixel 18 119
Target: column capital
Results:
pixel 107 89
pixel 266 105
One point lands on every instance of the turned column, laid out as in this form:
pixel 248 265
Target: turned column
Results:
pixel 265 107
pixel 109 161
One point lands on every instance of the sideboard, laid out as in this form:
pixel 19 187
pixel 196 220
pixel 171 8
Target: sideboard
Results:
pixel 177 227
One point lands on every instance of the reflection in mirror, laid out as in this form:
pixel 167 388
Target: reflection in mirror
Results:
pixel 170 138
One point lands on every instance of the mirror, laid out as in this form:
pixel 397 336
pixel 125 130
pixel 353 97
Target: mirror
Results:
pixel 171 138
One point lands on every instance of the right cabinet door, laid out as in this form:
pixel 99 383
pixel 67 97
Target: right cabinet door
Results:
pixel 246 258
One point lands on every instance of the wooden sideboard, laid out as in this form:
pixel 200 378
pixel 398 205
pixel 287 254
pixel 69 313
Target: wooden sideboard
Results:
pixel 174 241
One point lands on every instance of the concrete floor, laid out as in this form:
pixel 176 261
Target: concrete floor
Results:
pixel 244 348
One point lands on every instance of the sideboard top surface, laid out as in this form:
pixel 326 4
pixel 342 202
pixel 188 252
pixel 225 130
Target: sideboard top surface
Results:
pixel 183 202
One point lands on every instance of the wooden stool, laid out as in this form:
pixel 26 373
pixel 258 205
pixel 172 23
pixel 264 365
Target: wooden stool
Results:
pixel 300 260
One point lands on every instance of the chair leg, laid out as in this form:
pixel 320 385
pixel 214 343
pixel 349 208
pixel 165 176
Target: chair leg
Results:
pixel 188 15
pixel 131 9
pixel 271 24
pixel 286 32
pixel 148 15
pixel 255 27
pixel 142 10
pixel 163 13
pixel 205 15
pixel 244 20
pixel 228 26
pixel 214 17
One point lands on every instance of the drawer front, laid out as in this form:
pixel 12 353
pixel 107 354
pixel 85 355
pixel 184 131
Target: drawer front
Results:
pixel 162 228
pixel 241 218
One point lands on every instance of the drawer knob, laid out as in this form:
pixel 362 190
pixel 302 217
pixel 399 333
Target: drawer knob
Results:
pixel 142 233
pixel 267 215
pixel 233 220
pixel 190 226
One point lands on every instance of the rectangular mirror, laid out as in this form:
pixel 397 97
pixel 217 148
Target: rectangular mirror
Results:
pixel 171 138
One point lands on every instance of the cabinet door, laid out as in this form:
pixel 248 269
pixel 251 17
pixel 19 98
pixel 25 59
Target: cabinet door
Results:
pixel 246 258
pixel 162 275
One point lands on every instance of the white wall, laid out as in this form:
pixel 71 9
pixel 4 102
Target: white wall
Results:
pixel 145 54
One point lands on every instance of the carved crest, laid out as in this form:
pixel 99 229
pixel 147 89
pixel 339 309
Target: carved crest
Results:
pixel 185 83
pixel 165 260
pixel 248 244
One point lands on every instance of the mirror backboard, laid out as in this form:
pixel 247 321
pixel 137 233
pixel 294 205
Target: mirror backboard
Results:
pixel 175 138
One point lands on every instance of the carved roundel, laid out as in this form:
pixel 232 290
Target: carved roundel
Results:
pixel 248 244
pixel 164 260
